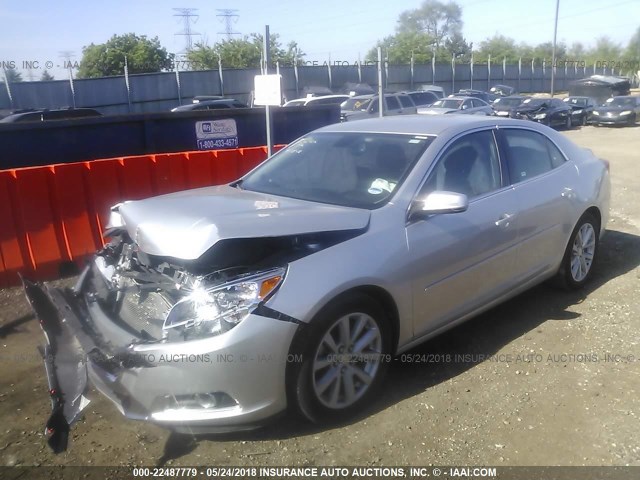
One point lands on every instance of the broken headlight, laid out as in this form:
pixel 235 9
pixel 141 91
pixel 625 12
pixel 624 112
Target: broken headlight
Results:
pixel 211 310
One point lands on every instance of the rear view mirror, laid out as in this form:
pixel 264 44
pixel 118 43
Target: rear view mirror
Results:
pixel 440 202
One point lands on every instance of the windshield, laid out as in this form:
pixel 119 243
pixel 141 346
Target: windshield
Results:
pixel 580 102
pixel 536 102
pixel 619 102
pixel 356 104
pixel 351 169
pixel 507 102
pixel 448 103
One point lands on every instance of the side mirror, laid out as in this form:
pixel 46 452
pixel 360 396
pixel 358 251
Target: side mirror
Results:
pixel 439 202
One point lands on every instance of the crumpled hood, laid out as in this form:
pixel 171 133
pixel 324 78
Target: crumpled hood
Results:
pixel 186 224
pixel 528 109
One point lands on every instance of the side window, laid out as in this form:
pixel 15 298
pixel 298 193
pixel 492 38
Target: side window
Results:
pixel 392 103
pixel 470 165
pixel 530 154
pixel 406 101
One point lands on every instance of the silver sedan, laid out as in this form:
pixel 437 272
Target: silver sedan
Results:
pixel 216 309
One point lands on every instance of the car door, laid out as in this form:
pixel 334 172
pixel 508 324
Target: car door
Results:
pixel 463 260
pixel 542 182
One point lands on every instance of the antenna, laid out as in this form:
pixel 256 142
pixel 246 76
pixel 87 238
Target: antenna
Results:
pixel 228 16
pixel 187 15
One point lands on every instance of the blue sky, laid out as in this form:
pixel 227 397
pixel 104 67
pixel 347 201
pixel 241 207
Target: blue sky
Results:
pixel 340 30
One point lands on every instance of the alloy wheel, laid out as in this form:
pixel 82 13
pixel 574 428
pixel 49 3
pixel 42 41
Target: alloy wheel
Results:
pixel 583 251
pixel 347 360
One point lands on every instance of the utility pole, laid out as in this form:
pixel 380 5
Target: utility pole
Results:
pixel 66 55
pixel 228 16
pixel 266 44
pixel 553 52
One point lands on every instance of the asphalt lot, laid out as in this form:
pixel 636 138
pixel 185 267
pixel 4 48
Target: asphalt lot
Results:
pixel 549 378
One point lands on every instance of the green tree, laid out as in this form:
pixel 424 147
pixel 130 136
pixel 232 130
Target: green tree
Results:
pixel 143 55
pixel 457 45
pixel 576 52
pixel 46 76
pixel 631 55
pixel 498 47
pixel 434 27
pixel 544 51
pixel 604 50
pixel 245 52
pixel 437 19
pixel 13 76
pixel 398 48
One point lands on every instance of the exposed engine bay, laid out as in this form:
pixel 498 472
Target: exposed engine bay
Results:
pixel 163 298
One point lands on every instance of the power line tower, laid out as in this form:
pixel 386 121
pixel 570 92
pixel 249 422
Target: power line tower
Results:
pixel 228 16
pixel 186 14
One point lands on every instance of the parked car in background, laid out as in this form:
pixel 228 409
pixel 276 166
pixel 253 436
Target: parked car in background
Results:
pixel 311 101
pixel 422 98
pixel 502 90
pixel 467 92
pixel 468 105
pixel 435 89
pixel 215 309
pixel 505 106
pixel 582 109
pixel 623 110
pixel 46 115
pixel 548 111
pixel 366 106
pixel 218 104
pixel 202 98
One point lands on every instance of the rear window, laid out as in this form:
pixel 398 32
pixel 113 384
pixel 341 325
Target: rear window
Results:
pixel 423 98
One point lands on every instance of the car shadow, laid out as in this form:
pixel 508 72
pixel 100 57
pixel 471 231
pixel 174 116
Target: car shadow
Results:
pixel 476 339
pixel 14 325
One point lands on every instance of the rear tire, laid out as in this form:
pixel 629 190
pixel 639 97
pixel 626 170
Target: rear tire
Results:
pixel 580 255
pixel 344 359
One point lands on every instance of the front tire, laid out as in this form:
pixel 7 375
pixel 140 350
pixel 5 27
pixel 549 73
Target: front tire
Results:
pixel 568 123
pixel 580 255
pixel 344 360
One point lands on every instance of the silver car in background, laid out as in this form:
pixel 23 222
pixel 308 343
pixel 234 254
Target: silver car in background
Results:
pixel 367 106
pixel 215 309
pixel 458 104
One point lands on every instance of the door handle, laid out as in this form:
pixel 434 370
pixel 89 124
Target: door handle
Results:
pixel 504 220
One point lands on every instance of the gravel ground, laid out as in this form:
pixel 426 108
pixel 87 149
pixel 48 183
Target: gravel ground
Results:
pixel 549 378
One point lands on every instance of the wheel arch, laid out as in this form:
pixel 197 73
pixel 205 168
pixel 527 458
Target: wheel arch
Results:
pixel 301 337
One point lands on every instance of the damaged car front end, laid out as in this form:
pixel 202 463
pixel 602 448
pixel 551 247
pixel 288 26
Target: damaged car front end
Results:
pixel 187 343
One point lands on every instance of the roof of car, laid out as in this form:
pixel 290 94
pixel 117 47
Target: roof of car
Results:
pixel 422 124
